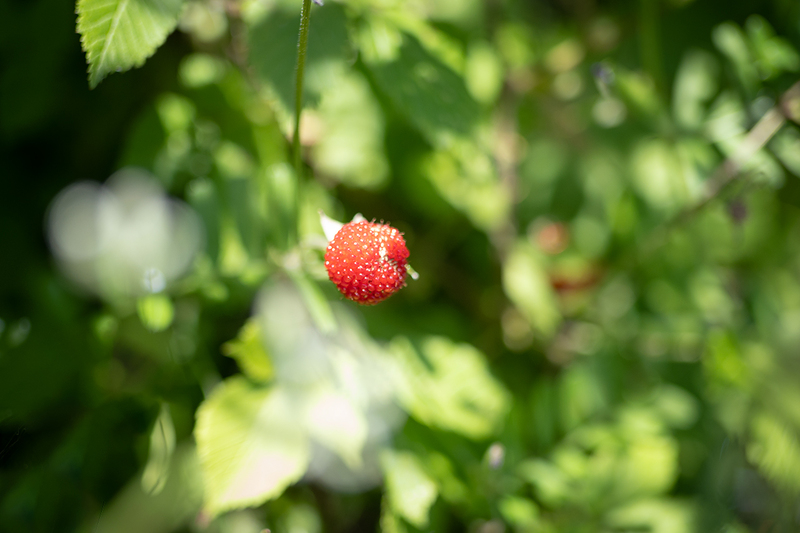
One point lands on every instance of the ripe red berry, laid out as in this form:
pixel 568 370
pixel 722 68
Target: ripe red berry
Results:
pixel 367 261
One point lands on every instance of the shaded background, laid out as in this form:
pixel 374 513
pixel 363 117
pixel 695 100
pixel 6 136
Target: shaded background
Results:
pixel 536 155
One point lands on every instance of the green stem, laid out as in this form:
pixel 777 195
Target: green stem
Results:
pixel 302 49
pixel 650 42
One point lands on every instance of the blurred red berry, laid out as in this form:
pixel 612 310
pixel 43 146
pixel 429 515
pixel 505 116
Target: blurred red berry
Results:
pixel 553 238
pixel 367 261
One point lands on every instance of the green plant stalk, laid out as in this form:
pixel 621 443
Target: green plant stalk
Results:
pixel 302 49
pixel 650 37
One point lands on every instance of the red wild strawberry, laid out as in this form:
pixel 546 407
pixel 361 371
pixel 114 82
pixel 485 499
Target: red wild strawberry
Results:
pixel 367 261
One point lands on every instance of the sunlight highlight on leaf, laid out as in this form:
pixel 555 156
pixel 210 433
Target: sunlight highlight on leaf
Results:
pixel 526 284
pixel 120 34
pixel 410 491
pixel 162 445
pixel 249 444
pixel 448 385
pixel 249 352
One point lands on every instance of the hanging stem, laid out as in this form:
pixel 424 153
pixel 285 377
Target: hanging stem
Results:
pixel 302 48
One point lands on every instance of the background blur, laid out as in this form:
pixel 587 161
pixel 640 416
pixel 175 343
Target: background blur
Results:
pixel 601 198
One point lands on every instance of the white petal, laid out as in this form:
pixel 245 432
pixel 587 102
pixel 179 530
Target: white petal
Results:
pixel 329 226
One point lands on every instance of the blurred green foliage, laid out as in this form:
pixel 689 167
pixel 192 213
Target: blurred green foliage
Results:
pixel 601 199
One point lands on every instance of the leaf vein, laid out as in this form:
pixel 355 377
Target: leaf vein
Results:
pixel 112 30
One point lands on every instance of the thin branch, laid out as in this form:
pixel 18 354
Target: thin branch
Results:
pixel 731 169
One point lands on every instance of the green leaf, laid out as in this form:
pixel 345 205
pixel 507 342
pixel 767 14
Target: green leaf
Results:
pixel 299 518
pixel 731 41
pixel 773 54
pixel 649 467
pixel 390 522
pixel 639 93
pixel 248 350
pixel 448 385
pixel 433 97
pixel 695 83
pixel 273 48
pixel 162 445
pixel 120 34
pixel 521 512
pixel 775 449
pixel 677 407
pixel 410 490
pixel 134 509
pixel 657 176
pixel 657 515
pixel 552 485
pixel 155 311
pixel 249 444
pixel 350 147
pixel 526 284
pixel 317 305
pixel 464 175
pixel 203 196
pixel 336 422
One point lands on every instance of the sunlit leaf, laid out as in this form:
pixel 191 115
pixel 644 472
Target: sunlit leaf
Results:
pixel 527 285
pixel 731 41
pixel 581 396
pixel 200 70
pixel 134 509
pixel 336 422
pixel 723 361
pixel 120 34
pixel 658 177
pixel 349 142
pixel 433 97
pixel 655 515
pixel 451 487
pixel 449 386
pixel 248 350
pixel 551 484
pixel 300 353
pixel 786 146
pixel 273 48
pixel 465 176
pixel 522 512
pixel 162 446
pixel 775 448
pixel 651 466
pixel 774 55
pixel 679 408
pixel 409 489
pixel 390 522
pixel 318 306
pixel 605 464
pixel 155 311
pixel 249 444
pixel 695 83
pixel 727 127
pixel 300 518
pixel 639 92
